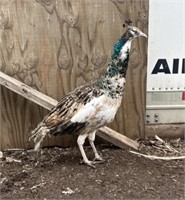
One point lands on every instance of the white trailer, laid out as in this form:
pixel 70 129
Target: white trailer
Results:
pixel 166 62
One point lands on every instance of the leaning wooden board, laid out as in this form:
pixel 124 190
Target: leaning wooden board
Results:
pixel 48 102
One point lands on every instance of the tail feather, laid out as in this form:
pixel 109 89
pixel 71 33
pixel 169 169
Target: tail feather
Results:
pixel 38 135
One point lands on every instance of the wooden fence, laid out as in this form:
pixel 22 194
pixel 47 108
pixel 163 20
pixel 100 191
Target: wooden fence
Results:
pixel 55 46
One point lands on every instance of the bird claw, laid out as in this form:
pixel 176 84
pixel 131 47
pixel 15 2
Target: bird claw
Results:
pixel 99 160
pixel 89 163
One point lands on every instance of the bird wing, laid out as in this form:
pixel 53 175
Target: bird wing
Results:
pixel 59 121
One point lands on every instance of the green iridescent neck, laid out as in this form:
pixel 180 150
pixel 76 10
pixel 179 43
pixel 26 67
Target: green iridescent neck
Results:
pixel 120 57
pixel 119 62
pixel 117 47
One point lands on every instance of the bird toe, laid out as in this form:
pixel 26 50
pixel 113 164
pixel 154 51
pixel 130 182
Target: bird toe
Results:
pixel 98 159
pixel 89 163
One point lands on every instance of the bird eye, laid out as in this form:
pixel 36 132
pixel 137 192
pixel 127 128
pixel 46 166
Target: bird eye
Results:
pixel 136 32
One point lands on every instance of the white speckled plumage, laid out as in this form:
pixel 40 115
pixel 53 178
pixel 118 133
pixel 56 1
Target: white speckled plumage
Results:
pixel 126 48
pixel 98 112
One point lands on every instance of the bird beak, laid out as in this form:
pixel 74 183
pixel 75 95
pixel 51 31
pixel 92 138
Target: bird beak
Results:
pixel 142 34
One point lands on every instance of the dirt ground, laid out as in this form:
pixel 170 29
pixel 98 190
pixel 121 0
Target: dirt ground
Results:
pixel 55 173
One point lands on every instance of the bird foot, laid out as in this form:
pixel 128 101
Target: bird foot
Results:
pixel 89 163
pixel 98 160
pixel 92 163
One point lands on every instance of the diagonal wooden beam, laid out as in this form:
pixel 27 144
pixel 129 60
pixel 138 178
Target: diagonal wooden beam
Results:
pixel 48 102
pixel 27 92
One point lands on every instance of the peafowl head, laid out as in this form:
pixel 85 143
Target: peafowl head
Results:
pixel 122 47
pixel 132 31
pixel 121 50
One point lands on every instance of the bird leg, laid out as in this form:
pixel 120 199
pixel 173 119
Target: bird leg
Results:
pixel 91 137
pixel 80 141
pixel 39 137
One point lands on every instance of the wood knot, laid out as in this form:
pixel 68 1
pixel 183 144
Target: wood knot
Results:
pixel 83 62
pixel 24 89
pixel 4 21
pixel 99 59
pixel 49 5
pixel 64 61
pixel 71 19
pixel 31 60
pixel 135 59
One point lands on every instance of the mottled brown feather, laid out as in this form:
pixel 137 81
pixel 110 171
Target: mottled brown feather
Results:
pixel 58 120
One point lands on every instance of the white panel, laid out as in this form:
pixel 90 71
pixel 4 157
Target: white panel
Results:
pixel 165 107
pixel 166 41
pixel 165 116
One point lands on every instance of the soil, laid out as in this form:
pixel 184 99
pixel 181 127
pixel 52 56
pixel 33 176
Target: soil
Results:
pixel 55 173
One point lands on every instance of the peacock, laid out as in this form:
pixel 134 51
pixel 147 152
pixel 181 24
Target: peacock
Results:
pixel 93 105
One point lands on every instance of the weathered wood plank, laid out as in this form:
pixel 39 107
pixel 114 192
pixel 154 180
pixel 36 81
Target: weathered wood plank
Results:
pixel 166 130
pixel 116 138
pixel 26 91
pixel 47 102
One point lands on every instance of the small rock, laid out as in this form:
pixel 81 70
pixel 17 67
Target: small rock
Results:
pixel 17 183
pixel 10 160
pixel 68 191
pixel 3 180
pixel 98 181
pixel 22 188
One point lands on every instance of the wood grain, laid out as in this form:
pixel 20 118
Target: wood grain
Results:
pixel 55 46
